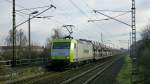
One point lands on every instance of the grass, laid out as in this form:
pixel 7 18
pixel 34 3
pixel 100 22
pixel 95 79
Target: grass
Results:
pixel 124 76
pixel 19 72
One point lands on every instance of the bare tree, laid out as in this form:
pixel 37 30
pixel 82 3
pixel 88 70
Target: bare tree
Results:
pixel 21 39
pixel 21 42
pixel 57 34
pixel 9 38
pixel 143 53
pixel 146 33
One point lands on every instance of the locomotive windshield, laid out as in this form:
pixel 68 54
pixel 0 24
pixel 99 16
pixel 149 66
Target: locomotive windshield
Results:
pixel 61 45
pixel 60 49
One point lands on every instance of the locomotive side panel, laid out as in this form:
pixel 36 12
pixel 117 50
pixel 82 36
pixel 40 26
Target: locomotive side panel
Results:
pixel 84 51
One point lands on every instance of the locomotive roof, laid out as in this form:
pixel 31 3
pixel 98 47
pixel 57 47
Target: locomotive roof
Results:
pixel 82 41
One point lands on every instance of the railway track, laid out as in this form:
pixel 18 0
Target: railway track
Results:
pixel 89 75
pixel 37 77
pixel 61 76
pixel 81 75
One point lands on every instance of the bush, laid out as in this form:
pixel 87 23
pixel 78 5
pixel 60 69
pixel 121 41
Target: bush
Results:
pixel 143 52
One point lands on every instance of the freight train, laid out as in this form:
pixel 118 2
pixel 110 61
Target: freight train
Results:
pixel 72 51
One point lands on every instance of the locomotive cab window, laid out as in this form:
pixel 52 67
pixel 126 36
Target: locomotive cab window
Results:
pixel 61 45
pixel 60 49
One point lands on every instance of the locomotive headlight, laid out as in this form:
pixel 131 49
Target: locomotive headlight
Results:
pixel 67 57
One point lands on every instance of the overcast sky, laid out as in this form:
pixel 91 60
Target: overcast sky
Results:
pixel 77 13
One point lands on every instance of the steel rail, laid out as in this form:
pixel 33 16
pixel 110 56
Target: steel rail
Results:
pixel 96 69
pixel 99 73
pixel 84 73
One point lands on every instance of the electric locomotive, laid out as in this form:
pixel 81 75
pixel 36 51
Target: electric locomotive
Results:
pixel 71 51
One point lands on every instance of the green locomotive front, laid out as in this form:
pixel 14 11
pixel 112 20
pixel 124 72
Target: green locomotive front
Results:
pixel 62 51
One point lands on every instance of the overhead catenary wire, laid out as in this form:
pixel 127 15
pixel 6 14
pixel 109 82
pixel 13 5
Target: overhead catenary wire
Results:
pixel 69 15
pixel 36 15
pixel 113 10
pixel 41 7
pixel 90 8
pixel 22 12
pixel 110 18
pixel 96 25
pixel 124 12
pixel 81 11
pixel 27 9
pixel 96 11
pixel 66 16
